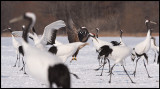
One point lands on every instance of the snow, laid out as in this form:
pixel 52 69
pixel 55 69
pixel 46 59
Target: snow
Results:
pixel 84 67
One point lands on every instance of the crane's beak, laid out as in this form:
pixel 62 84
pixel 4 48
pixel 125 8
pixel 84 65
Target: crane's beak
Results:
pixel 16 19
pixel 5 30
pixel 153 22
pixel 96 39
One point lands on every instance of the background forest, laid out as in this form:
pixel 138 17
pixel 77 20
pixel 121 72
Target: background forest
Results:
pixel 108 16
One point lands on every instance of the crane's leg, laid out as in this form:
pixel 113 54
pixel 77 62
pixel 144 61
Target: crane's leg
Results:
pixel 134 73
pixel 158 59
pixel 109 65
pixel 100 67
pixel 127 74
pixel 74 56
pixel 124 62
pixel 99 62
pixel 16 61
pixel 19 61
pixel 23 66
pixel 155 57
pixel 50 85
pixel 103 66
pixel 75 75
pixel 99 58
pixel 111 73
pixel 146 69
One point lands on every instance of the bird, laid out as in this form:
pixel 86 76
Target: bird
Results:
pixel 41 64
pixel 117 54
pixel 70 49
pixel 100 43
pixel 121 43
pixel 83 34
pixel 97 43
pixel 143 47
pixel 155 48
pixel 97 32
pixel 17 46
pixel 111 44
pixel 74 34
pixel 51 44
pixel 49 34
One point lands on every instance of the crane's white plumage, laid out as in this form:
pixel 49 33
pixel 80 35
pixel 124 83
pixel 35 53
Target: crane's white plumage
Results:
pixel 41 42
pixel 63 50
pixel 153 45
pixel 117 54
pixel 48 30
pixel 17 33
pixel 144 46
pixel 154 48
pixel 97 42
pixel 15 43
pixel 121 41
pixel 120 53
pixel 40 62
pixel 70 49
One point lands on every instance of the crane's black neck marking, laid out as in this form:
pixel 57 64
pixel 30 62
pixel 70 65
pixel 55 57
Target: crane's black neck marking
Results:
pixel 25 32
pixel 97 32
pixel 121 34
pixel 33 29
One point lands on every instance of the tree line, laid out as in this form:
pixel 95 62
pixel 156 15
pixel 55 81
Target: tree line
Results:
pixel 108 16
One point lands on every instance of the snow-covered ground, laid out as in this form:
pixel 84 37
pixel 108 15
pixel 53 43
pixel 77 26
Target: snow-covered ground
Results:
pixel 84 67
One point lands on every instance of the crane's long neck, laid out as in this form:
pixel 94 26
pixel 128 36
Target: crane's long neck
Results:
pixel 95 42
pixel 13 38
pixel 97 33
pixel 11 33
pixel 120 36
pixel 149 34
pixel 25 32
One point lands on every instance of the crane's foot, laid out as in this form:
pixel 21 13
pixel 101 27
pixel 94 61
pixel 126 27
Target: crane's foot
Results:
pixel 133 82
pixel 96 69
pixel 73 58
pixel 14 66
pixel 25 73
pixel 149 76
pixel 134 73
pixel 21 69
